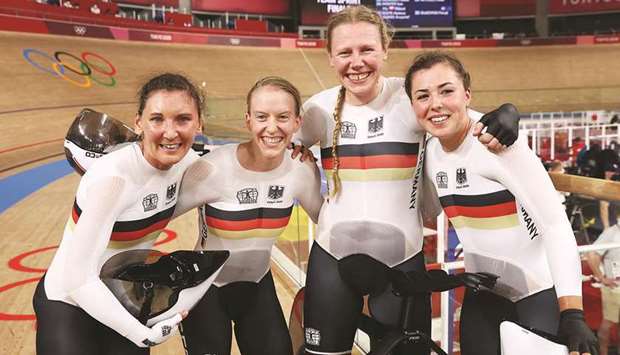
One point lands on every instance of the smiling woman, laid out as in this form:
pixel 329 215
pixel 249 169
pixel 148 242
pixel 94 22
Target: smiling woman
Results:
pixel 371 150
pixel 248 191
pixel 122 203
pixel 509 198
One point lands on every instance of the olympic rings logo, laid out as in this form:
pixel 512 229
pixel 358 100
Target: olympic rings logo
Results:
pixel 84 66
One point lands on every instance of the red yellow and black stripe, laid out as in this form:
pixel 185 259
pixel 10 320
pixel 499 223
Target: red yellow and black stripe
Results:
pixel 373 161
pixel 259 222
pixel 125 233
pixel 496 210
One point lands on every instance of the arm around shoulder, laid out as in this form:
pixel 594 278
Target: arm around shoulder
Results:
pixel 309 189
pixel 196 187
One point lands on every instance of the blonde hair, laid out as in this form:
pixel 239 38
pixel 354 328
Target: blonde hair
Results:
pixel 350 14
pixel 277 82
pixel 337 113
pixel 359 13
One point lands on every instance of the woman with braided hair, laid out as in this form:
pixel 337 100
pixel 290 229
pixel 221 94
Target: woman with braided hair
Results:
pixel 371 150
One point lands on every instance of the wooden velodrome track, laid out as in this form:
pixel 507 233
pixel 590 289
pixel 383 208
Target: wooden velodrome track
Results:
pixel 36 108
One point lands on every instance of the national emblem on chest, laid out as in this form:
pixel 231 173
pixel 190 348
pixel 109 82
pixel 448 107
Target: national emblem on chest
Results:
pixel 263 194
pixel 453 179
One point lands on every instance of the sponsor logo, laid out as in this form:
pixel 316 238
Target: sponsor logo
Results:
pixel 160 37
pixel 375 127
pixel 93 155
pixel 442 180
pixel 451 43
pixel 150 202
pixel 313 337
pixel 79 30
pixel 348 130
pixel 461 178
pixel 249 195
pixel 275 192
pixel 235 41
pixel 308 44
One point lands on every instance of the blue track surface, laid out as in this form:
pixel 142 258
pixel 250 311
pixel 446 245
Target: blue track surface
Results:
pixel 17 187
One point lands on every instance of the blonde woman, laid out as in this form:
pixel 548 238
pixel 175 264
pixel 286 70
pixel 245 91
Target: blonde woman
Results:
pixel 248 192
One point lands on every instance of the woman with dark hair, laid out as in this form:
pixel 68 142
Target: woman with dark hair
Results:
pixel 122 203
pixel 506 214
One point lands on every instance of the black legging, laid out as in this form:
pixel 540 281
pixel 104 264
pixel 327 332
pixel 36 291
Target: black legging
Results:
pixel 63 329
pixel 260 327
pixel 332 310
pixel 483 312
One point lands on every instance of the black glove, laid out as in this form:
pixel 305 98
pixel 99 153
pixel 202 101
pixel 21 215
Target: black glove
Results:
pixel 439 280
pixel 477 280
pixel 503 123
pixel 575 333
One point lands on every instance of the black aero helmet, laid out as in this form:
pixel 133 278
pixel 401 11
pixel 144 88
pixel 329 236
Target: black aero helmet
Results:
pixel 93 134
pixel 154 286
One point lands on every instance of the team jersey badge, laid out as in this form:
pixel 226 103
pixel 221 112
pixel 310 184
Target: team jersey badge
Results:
pixel 248 195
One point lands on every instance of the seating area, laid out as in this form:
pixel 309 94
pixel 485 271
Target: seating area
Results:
pixel 80 12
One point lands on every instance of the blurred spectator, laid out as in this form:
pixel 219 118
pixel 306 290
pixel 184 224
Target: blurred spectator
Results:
pixel 608 277
pixel 95 9
pixel 577 145
pixel 614 119
pixel 589 161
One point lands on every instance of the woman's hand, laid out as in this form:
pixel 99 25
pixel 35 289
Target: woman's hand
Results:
pixel 502 128
pixel 163 330
pixel 305 152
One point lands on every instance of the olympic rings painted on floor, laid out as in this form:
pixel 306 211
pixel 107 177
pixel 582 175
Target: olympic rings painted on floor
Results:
pixel 16 264
pixel 85 66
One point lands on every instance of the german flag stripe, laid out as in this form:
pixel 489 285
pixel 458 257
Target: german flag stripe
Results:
pixel 368 149
pixel 124 243
pixel 372 174
pixel 129 230
pixel 247 215
pixel 253 233
pixel 494 198
pixel 372 162
pixel 490 223
pixel 138 234
pixel 259 223
pixel 502 209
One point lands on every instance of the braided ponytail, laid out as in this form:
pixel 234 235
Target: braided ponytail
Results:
pixel 336 134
